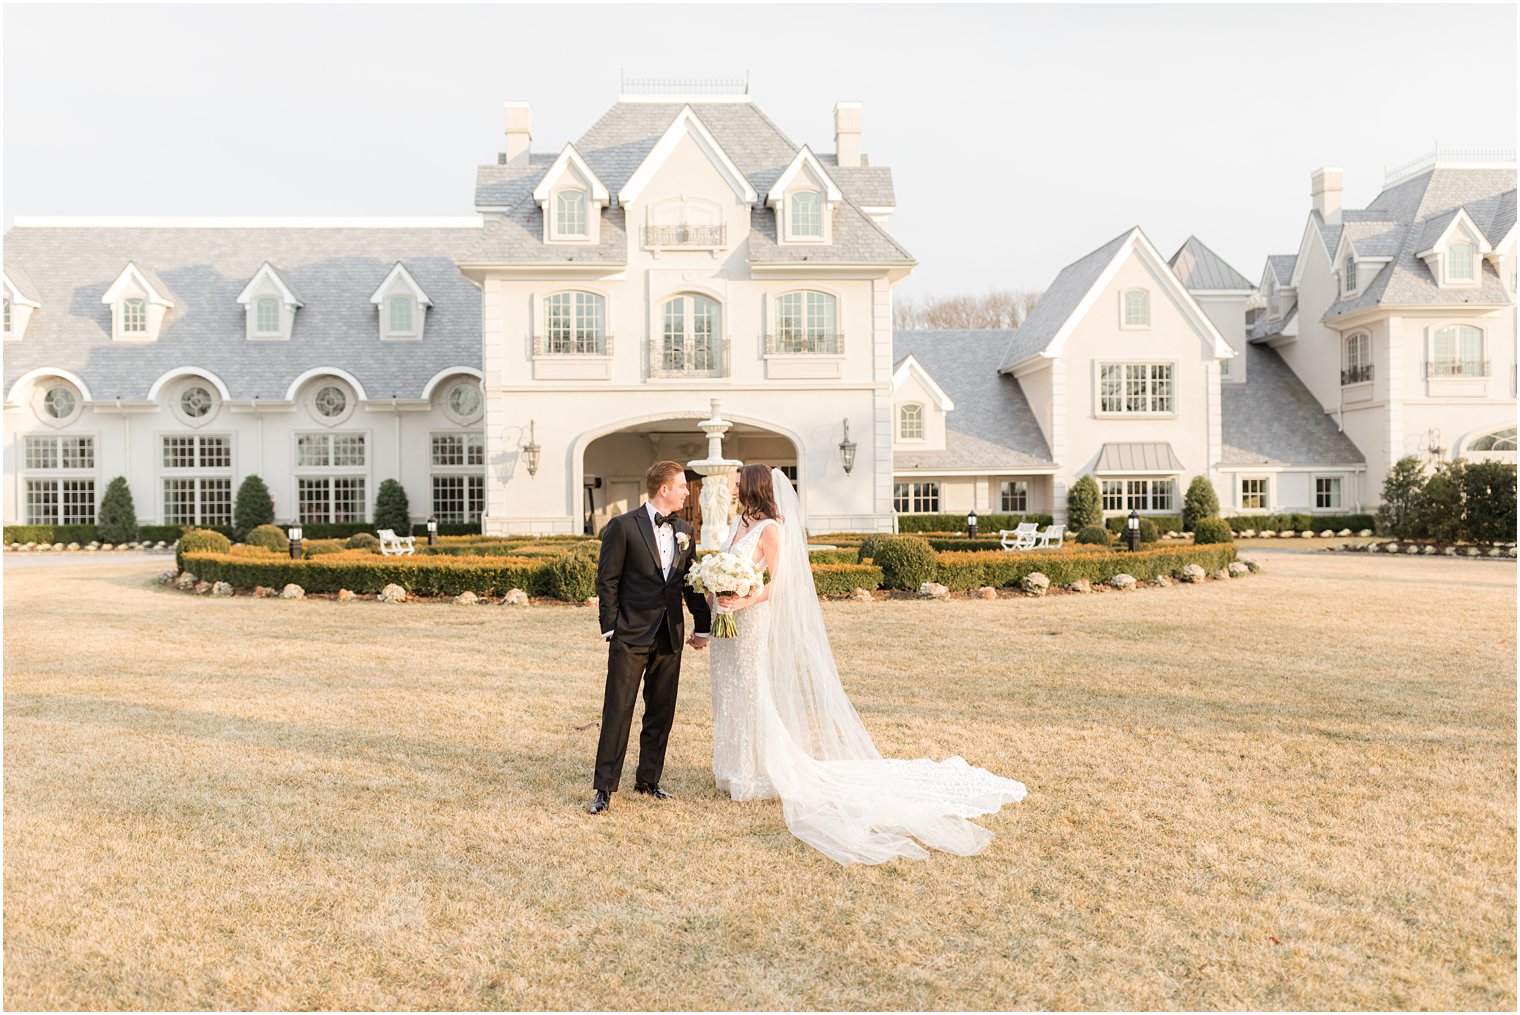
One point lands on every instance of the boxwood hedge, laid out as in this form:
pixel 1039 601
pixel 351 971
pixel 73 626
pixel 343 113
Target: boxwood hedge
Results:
pixel 965 571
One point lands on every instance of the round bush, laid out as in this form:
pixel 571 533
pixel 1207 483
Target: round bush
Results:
pixel 199 541
pixel 572 576
pixel 869 545
pixel 906 562
pixel 269 537
pixel 1095 535
pixel 1148 531
pixel 1212 530
pixel 363 541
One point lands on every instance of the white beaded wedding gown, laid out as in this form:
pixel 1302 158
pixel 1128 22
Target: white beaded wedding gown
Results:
pixel 783 727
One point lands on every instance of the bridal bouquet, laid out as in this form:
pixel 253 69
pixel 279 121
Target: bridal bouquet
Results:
pixel 724 574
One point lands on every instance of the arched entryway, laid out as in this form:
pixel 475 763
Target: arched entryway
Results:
pixel 613 465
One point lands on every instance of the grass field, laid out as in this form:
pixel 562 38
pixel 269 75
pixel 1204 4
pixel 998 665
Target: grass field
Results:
pixel 1293 790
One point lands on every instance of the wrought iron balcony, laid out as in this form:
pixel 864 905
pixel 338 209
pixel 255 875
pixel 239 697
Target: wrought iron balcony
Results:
pixel 583 344
pixel 677 361
pixel 805 343
pixel 1456 368
pixel 1357 375
pixel 685 236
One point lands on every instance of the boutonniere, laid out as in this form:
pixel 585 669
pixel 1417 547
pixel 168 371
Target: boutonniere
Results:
pixel 683 541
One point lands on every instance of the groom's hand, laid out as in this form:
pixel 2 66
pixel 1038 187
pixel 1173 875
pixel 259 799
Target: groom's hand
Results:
pixel 697 641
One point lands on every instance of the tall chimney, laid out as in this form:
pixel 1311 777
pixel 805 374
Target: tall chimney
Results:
pixel 519 132
pixel 1325 190
pixel 847 133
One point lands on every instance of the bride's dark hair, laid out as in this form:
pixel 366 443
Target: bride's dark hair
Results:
pixel 757 498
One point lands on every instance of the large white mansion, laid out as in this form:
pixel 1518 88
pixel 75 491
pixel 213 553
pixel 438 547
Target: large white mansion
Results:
pixel 526 364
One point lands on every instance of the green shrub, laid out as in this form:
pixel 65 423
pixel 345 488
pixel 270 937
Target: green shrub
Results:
pixel 270 537
pixel 843 579
pixel 200 541
pixel 363 541
pixel 833 557
pixel 1439 511
pixel 160 533
pixel 1211 530
pixel 1095 535
pixel 869 546
pixel 906 562
pixel 1399 514
pixel 962 543
pixel 572 576
pixel 956 523
pixel 1199 502
pixel 359 571
pixel 1084 504
pixel 1148 531
pixel 117 520
pixel 1007 570
pixel 1119 524
pixel 391 508
pixel 319 547
pixel 1489 494
pixel 254 507
pixel 959 571
pixel 29 534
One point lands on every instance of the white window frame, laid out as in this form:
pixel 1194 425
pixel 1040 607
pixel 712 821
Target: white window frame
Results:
pixel 349 401
pixel 392 303
pixel 1122 494
pixel 916 497
pixel 1472 263
pixel 134 310
pixel 1124 309
pixel 804 213
pixel 60 489
pixel 177 407
pixel 1356 353
pixel 1348 275
pixel 272 304
pixel 471 470
pixel 1011 492
pixel 1457 366
pixel 1334 492
pixel 40 402
pixel 1265 493
pixel 810 328
pixel 572 208
pixel 915 418
pixel 570 326
pixel 1149 391
pixel 449 409
pixel 8 327
pixel 331 474
pixel 206 472
pixel 683 347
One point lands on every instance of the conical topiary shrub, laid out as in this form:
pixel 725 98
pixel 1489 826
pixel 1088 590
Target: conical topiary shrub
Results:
pixel 1200 501
pixel 116 522
pixel 254 507
pixel 1084 505
pixel 391 508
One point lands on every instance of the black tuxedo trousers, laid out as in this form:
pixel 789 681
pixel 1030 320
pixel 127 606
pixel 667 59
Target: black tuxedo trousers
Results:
pixel 641 605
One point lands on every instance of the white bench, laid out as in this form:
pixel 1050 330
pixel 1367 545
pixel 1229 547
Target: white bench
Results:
pixel 393 545
pixel 1021 538
pixel 1051 535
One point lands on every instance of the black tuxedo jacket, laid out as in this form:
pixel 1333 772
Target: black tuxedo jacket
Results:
pixel 634 596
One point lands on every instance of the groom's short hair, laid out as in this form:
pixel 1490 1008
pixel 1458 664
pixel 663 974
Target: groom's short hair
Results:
pixel 661 473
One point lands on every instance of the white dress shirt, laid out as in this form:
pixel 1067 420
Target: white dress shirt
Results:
pixel 665 541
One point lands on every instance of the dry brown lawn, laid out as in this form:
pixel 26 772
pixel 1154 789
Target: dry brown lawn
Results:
pixel 1294 790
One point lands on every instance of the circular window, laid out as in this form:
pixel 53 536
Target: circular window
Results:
pixel 330 402
pixel 195 401
pixel 60 402
pixel 464 400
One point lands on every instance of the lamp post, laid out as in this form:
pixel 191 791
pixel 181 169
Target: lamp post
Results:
pixel 530 452
pixel 295 540
pixel 1134 529
pixel 847 449
pixel 971 523
pixel 432 527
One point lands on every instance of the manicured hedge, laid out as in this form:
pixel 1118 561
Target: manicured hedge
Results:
pixel 842 579
pixel 1166 523
pixel 1299 522
pixel 964 543
pixel 360 571
pixel 965 571
pixel 844 556
pixel 957 522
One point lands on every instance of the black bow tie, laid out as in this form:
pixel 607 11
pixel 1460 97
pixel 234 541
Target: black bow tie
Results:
pixel 660 519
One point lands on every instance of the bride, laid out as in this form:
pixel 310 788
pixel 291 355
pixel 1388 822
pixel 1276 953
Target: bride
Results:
pixel 783 727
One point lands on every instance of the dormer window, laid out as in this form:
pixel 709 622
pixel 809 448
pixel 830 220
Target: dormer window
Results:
pixel 1459 262
pixel 139 302
pixel 400 322
pixel 910 422
pixel 1137 308
pixel 402 306
pixel 7 315
pixel 1348 275
pixel 570 213
pixel 134 316
pixel 268 314
pixel 270 305
pixel 806 218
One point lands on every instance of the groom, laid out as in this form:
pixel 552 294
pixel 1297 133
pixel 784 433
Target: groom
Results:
pixel 641 577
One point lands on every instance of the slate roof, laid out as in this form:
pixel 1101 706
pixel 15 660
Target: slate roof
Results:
pixel 1282 266
pixel 1272 419
pixel 992 425
pixel 1408 212
pixel 1201 269
pixel 21 280
pixel 1057 303
pixel 1266 328
pixel 335 270
pixel 618 143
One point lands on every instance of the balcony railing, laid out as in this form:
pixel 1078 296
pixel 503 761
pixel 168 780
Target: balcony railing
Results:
pixel 697 360
pixel 1357 375
pixel 685 236
pixel 1456 368
pixel 572 345
pixel 805 343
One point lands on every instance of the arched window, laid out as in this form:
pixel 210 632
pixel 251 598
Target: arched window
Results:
pixel 1457 351
pixel 134 315
pixel 688 335
pixel 806 217
pixel 573 323
pixel 267 321
pixel 1348 277
pixel 1459 262
pixel 805 322
pixel 910 422
pixel 570 213
pixel 1499 440
pixel 1137 309
pixel 1358 366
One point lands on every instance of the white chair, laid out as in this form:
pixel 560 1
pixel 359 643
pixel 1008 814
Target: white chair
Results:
pixel 1051 536
pixel 393 545
pixel 1021 538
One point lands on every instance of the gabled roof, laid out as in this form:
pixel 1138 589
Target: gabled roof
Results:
pixel 1437 226
pixel 1267 328
pixel 269 273
pixel 570 159
pixel 1374 240
pixel 866 185
pixel 992 426
pixel 1272 419
pixel 1202 270
pixel 20 283
pixel 909 365
pixel 144 278
pixel 501 187
pixel 804 162
pixel 398 273
pixel 687 124
pixel 1076 288
pixel 1282 267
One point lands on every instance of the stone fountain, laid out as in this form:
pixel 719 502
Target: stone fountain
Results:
pixel 716 471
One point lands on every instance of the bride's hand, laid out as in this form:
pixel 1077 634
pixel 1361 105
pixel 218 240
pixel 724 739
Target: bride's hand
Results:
pixel 733 604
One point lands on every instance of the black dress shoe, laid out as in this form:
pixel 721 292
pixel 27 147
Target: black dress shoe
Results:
pixel 652 789
pixel 600 802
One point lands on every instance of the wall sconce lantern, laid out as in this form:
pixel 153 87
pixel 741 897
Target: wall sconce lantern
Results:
pixel 530 452
pixel 847 449
pixel 295 540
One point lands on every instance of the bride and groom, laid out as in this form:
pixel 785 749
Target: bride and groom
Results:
pixel 782 724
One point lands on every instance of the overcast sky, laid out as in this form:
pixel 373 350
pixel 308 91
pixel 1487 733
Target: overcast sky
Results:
pixel 1020 137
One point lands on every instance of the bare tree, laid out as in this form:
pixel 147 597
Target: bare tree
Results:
pixel 999 308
